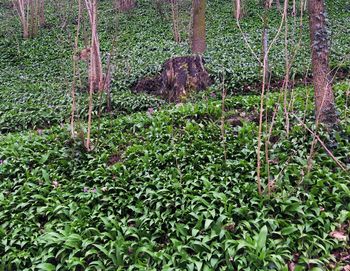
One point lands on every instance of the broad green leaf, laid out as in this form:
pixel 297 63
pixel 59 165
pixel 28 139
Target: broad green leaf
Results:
pixel 46 267
pixel 261 241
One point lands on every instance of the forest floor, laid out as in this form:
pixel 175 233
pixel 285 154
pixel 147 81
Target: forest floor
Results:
pixel 169 187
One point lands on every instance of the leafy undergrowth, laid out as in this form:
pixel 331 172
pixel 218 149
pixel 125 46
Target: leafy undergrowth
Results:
pixel 36 75
pixel 20 110
pixel 157 193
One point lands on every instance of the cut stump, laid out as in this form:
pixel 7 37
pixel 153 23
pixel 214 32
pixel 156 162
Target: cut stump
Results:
pixel 179 76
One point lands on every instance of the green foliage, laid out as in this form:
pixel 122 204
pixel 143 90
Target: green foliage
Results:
pixel 157 194
pixel 40 69
pixel 20 110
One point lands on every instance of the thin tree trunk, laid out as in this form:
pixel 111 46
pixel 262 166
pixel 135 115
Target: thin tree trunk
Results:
pixel 268 4
pixel 33 18
pixel 199 32
pixel 265 43
pixel 31 15
pixel 95 73
pixel 294 12
pixel 238 9
pixel 74 70
pixel 287 65
pixel 278 4
pixel 107 83
pixel 42 13
pixel 175 17
pixel 22 10
pixel 265 51
pixel 324 98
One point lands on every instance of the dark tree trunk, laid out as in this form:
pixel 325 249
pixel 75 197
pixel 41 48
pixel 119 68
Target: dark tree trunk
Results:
pixel 198 35
pixel 324 98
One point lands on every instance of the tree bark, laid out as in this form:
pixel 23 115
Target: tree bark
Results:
pixel 199 32
pixel 42 20
pixel 294 12
pixel 265 43
pixel 238 9
pixel 175 17
pixel 267 4
pixel 95 73
pixel 278 4
pixel 324 97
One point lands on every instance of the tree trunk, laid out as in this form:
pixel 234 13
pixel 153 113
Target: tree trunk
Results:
pixel 175 18
pixel 198 35
pixel 31 15
pixel 324 98
pixel 278 4
pixel 95 73
pixel 159 7
pixel 267 4
pixel 238 9
pixel 42 20
pixel 294 12
pixel 265 43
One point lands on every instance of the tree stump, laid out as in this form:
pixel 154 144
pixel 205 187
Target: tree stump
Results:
pixel 179 76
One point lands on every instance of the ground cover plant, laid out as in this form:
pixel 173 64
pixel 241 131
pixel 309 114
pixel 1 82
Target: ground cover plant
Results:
pixel 169 186
pixel 141 53
pixel 138 203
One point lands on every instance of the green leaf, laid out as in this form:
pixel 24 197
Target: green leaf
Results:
pixel 199 265
pixel 261 241
pixel 44 158
pixel 207 223
pixel 102 249
pixel 46 267
pixel 345 188
pixel 73 241
pixel 289 230
pixel 45 175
